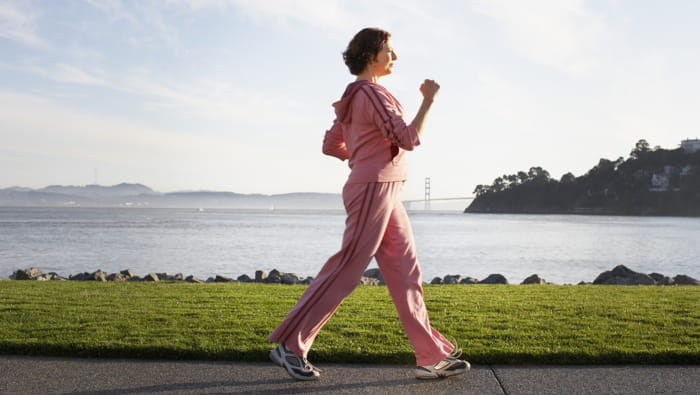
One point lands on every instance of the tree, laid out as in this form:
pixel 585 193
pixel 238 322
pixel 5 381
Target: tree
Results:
pixel 522 177
pixel 538 174
pixel 512 180
pixel 603 166
pixel 641 147
pixel 618 162
pixel 481 190
pixel 497 185
pixel 568 178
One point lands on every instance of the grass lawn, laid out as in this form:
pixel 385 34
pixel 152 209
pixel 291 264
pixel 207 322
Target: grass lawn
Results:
pixel 539 324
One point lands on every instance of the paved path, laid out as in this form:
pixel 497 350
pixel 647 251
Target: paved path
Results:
pixel 38 375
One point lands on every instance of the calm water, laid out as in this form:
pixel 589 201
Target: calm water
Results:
pixel 561 249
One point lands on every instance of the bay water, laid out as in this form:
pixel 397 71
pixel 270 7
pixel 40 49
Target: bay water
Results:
pixel 563 249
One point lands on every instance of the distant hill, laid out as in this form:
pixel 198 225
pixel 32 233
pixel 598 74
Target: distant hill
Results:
pixel 99 191
pixel 650 182
pixel 138 195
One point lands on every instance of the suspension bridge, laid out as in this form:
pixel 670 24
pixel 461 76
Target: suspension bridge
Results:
pixel 428 199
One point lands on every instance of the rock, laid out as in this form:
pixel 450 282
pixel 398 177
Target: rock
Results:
pixel 307 280
pixel 260 276
pixel 134 278
pixel 494 279
pixel 117 277
pixel 169 277
pixel 26 274
pixel 436 280
pixel 194 280
pixel 127 273
pixel 163 276
pixel 621 275
pixel 682 279
pixel 98 276
pixel 375 273
pixel 660 279
pixel 289 278
pixel 534 279
pixel 275 277
pixel 222 279
pixel 244 279
pixel 151 277
pixel 56 277
pixel 79 277
pixel 369 281
pixel 452 279
pixel 469 280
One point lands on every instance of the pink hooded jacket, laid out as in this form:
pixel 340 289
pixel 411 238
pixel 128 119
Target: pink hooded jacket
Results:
pixel 369 131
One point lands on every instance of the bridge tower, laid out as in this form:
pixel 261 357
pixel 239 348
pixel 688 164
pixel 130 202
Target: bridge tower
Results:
pixel 427 193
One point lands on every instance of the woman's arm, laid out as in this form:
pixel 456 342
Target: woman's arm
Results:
pixel 386 113
pixel 429 89
pixel 333 142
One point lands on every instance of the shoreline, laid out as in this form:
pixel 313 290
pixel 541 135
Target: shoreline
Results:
pixel 620 275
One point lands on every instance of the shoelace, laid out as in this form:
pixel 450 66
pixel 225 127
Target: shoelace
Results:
pixel 457 352
pixel 309 366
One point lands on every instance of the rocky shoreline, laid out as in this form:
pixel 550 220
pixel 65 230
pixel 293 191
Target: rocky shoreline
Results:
pixel 620 275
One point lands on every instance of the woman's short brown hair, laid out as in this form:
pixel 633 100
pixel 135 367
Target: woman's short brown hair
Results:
pixel 363 48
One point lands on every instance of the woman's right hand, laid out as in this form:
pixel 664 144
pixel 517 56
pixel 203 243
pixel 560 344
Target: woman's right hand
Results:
pixel 429 88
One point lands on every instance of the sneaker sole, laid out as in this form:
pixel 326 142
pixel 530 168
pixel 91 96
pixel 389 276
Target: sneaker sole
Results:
pixel 451 373
pixel 274 359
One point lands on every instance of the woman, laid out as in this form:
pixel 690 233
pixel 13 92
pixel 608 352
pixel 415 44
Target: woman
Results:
pixel 370 132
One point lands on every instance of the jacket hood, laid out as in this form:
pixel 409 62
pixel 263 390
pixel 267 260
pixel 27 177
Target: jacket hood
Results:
pixel 343 107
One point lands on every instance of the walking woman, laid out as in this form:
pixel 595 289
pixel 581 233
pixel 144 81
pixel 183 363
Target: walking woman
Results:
pixel 369 131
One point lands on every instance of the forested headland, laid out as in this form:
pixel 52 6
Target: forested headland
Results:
pixel 649 182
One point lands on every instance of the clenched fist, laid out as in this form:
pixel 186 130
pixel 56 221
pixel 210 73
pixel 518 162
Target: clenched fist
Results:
pixel 429 88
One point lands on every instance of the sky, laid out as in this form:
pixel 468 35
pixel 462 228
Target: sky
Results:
pixel 236 95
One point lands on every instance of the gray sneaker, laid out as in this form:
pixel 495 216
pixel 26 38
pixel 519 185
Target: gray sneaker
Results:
pixel 449 366
pixel 297 367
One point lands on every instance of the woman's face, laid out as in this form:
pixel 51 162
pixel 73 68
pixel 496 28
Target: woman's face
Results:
pixel 384 61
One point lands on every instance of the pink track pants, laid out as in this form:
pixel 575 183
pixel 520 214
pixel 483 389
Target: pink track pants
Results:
pixel 376 226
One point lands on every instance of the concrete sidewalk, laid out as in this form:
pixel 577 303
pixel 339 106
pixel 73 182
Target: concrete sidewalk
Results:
pixel 37 375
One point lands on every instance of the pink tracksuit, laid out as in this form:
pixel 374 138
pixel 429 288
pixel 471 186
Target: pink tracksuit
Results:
pixel 371 133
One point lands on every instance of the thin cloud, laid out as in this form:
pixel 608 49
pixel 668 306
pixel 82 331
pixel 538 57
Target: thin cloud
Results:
pixel 116 9
pixel 316 13
pixel 19 24
pixel 61 72
pixel 214 99
pixel 334 18
pixel 557 33
pixel 76 139
pixel 211 99
pixel 71 74
pixel 202 4
pixel 73 134
pixel 147 21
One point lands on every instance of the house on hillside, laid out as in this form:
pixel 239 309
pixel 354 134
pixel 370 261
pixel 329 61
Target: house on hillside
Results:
pixel 690 146
pixel 687 170
pixel 666 181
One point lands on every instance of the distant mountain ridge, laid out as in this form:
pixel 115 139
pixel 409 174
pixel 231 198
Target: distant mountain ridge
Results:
pixel 94 191
pixel 139 195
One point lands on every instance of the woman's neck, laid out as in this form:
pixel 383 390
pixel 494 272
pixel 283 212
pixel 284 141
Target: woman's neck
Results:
pixel 368 75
